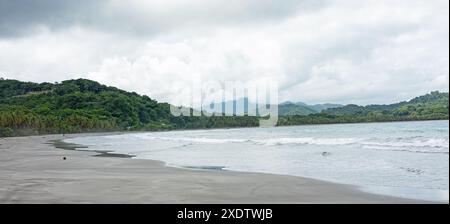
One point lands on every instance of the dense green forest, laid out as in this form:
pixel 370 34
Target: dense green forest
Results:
pixel 86 106
pixel 433 106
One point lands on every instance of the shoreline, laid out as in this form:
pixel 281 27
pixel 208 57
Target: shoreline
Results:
pixel 34 171
pixel 224 128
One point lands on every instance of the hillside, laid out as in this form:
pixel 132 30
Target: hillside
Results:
pixel 433 106
pixel 285 109
pixel 74 106
pixel 430 105
pixel 300 108
pixel 83 105
pixel 290 109
pixel 321 107
pixel 245 106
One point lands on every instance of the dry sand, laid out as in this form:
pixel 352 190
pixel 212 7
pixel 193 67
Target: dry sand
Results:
pixel 32 170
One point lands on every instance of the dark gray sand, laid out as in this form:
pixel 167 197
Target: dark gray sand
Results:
pixel 33 170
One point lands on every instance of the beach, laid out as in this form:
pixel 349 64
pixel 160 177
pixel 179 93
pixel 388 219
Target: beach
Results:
pixel 32 170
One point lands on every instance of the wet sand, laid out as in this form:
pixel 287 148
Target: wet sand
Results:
pixel 33 170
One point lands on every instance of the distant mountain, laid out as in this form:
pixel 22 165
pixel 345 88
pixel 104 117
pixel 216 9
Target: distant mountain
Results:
pixel 290 109
pixel 243 106
pixel 322 107
pixel 239 107
pixel 300 108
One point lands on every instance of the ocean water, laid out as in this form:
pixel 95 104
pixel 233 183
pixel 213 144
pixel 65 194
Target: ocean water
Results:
pixel 403 159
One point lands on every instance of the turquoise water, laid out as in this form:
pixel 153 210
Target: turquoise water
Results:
pixel 403 159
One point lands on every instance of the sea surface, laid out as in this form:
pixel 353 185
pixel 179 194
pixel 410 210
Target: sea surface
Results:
pixel 403 159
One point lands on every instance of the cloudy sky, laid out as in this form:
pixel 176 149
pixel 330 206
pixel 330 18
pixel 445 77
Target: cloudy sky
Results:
pixel 340 51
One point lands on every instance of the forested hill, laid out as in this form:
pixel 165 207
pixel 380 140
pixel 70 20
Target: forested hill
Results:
pixel 74 106
pixel 430 105
pixel 433 106
pixel 82 106
pixel 85 106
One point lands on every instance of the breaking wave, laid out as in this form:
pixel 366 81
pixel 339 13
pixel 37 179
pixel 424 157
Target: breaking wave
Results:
pixel 418 144
pixel 308 141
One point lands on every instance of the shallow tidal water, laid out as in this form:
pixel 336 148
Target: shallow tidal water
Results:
pixel 402 159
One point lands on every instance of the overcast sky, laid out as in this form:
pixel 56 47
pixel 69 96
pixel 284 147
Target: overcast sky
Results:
pixel 339 51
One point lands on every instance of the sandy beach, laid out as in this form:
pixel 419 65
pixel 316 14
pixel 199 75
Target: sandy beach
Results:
pixel 32 170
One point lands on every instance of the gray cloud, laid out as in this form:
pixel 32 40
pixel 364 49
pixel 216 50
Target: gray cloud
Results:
pixel 344 51
pixel 21 18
